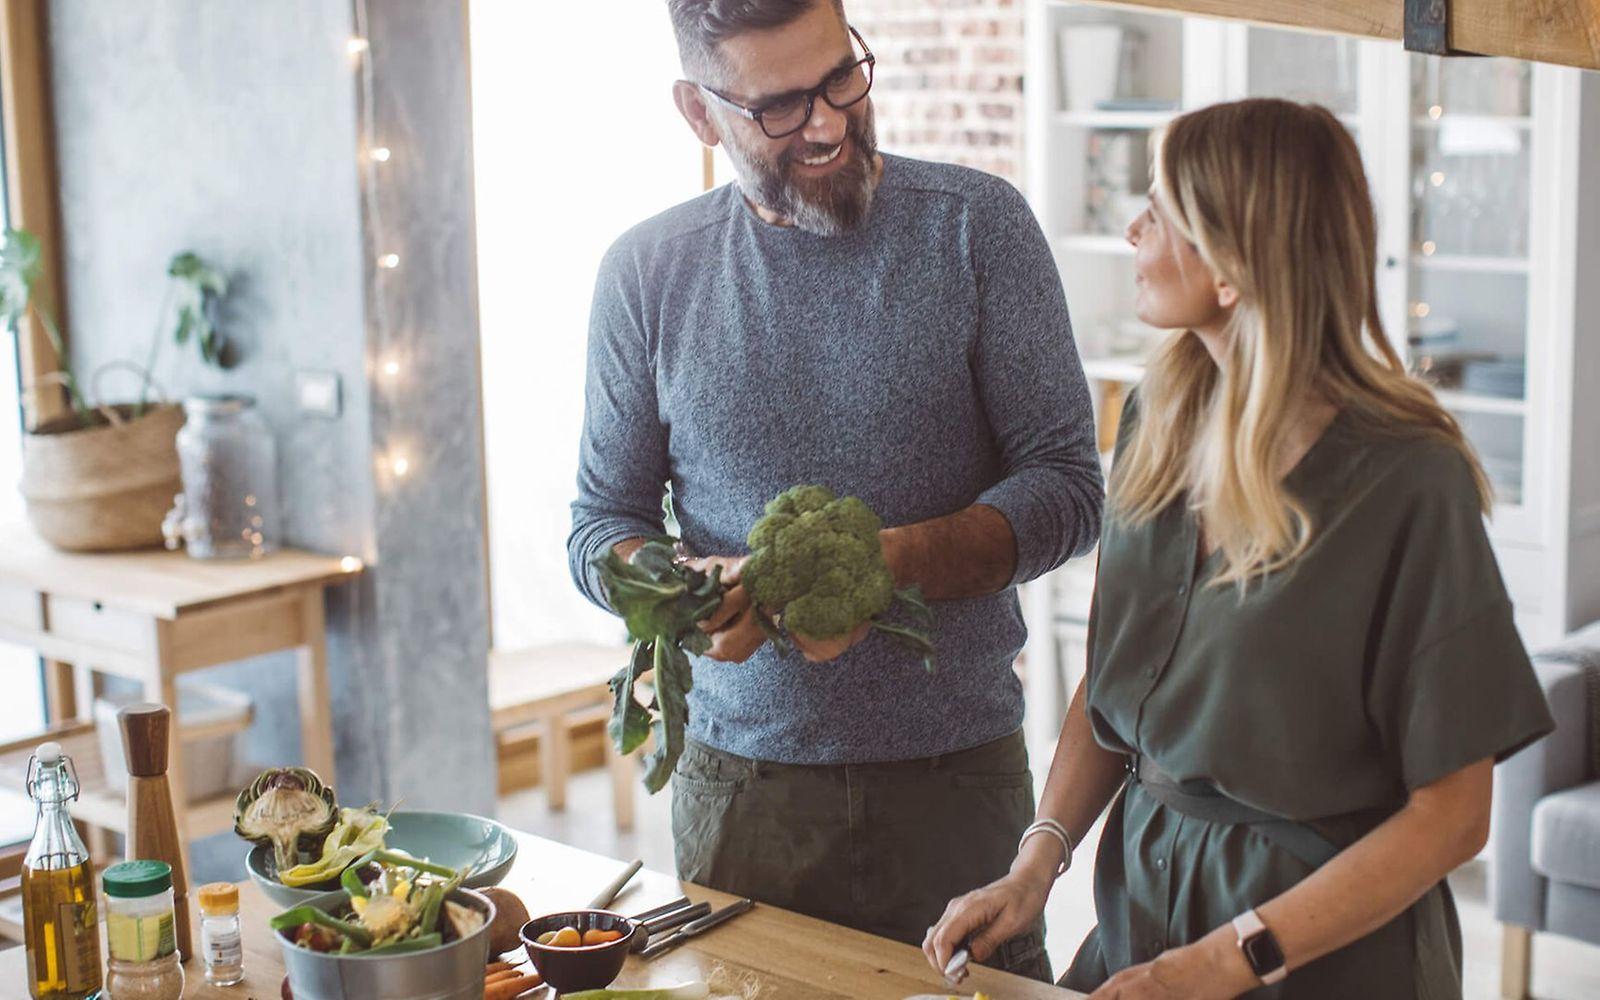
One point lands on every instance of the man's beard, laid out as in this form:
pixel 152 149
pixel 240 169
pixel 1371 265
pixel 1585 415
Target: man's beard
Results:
pixel 827 206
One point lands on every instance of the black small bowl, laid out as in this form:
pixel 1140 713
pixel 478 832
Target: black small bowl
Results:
pixel 587 967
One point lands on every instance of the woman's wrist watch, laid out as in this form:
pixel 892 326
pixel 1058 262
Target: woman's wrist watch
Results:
pixel 1260 948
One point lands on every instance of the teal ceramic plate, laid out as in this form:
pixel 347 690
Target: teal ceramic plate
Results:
pixel 455 840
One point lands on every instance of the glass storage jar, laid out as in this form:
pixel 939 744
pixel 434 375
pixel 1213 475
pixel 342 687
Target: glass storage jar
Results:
pixel 229 505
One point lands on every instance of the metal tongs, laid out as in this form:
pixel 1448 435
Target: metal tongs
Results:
pixel 695 927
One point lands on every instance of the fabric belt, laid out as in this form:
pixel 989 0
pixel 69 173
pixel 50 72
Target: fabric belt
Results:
pixel 1202 801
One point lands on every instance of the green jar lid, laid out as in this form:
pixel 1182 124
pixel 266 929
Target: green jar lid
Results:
pixel 137 879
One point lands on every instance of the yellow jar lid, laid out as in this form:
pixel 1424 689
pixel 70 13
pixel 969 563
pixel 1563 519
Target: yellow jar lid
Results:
pixel 219 898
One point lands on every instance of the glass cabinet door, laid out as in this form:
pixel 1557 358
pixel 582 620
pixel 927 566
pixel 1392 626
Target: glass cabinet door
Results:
pixel 1299 66
pixel 1467 314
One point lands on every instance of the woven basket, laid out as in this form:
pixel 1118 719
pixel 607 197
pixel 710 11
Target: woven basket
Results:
pixel 106 486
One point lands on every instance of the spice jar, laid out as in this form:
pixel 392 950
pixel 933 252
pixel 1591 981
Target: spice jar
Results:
pixel 220 939
pixel 140 932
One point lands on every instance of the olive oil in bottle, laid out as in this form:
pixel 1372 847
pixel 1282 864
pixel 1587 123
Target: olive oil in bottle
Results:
pixel 60 922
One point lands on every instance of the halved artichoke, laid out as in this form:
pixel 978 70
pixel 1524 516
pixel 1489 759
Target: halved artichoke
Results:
pixel 289 808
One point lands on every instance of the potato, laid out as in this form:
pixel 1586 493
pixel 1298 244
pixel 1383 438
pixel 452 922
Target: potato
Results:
pixel 509 916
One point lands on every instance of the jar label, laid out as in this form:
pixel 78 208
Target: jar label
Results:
pixel 140 939
pixel 222 947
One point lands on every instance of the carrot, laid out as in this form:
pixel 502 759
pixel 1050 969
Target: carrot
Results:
pixel 501 976
pixel 501 966
pixel 506 989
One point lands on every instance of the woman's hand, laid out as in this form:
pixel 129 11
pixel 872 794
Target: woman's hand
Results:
pixel 1212 968
pixel 988 917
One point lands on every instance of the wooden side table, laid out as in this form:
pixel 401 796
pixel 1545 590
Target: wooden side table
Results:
pixel 150 616
pixel 556 686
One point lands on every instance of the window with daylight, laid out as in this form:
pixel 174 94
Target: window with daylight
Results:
pixel 575 140
pixel 22 710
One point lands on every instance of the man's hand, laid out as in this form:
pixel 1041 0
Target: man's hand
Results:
pixel 823 650
pixel 735 633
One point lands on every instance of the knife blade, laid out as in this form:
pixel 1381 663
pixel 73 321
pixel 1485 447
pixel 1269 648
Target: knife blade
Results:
pixel 695 927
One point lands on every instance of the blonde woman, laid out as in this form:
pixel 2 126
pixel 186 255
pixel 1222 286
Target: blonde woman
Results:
pixel 1303 666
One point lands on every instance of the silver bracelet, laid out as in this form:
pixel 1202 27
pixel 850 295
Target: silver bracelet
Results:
pixel 1055 830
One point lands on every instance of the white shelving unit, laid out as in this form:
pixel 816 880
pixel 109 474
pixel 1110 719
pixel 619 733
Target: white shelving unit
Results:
pixel 1489 251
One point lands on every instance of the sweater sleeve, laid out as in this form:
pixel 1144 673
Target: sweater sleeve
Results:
pixel 1033 389
pixel 622 460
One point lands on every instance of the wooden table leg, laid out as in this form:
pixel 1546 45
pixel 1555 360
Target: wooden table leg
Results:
pixel 316 707
pixel 555 758
pixel 1516 961
pixel 60 693
pixel 624 775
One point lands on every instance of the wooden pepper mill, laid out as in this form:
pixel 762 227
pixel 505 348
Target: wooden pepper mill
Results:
pixel 152 825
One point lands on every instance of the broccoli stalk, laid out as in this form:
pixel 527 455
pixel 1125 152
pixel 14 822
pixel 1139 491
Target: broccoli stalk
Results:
pixel 816 570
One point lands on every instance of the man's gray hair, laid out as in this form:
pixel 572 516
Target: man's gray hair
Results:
pixel 701 25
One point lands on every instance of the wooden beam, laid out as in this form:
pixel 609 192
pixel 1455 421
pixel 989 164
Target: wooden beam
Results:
pixel 1553 31
pixel 31 189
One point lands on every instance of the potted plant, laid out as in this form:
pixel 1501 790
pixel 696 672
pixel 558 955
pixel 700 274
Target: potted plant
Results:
pixel 104 475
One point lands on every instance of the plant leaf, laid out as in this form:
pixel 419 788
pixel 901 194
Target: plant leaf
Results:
pixel 20 268
pixel 915 639
pixel 629 725
pixel 673 681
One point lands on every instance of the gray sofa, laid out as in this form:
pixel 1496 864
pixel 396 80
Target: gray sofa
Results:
pixel 1546 870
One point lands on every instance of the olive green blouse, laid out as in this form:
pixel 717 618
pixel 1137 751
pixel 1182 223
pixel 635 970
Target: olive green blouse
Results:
pixel 1383 659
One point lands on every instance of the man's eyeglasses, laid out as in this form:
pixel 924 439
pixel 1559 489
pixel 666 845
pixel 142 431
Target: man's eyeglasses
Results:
pixel 788 113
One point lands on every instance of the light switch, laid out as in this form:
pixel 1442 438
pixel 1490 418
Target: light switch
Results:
pixel 318 393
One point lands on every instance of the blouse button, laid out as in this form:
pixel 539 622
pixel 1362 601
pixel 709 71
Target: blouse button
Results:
pixel 1161 864
pixel 1183 588
pixel 1151 673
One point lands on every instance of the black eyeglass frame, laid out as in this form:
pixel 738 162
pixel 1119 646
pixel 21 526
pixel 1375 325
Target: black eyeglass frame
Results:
pixel 867 60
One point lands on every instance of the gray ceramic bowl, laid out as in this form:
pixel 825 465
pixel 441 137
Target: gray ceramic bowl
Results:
pixel 455 840
pixel 452 971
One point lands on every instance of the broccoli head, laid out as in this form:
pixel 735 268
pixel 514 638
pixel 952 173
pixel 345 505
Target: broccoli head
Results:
pixel 816 558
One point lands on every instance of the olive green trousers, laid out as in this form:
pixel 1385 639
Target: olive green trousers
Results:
pixel 878 847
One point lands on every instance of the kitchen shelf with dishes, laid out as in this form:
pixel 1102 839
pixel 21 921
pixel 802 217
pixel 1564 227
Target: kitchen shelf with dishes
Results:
pixel 1487 217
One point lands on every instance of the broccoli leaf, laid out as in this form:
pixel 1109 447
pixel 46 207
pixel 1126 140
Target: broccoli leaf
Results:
pixel 662 601
pixel 630 721
pixel 673 680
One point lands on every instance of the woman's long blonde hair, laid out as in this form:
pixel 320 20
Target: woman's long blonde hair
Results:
pixel 1273 196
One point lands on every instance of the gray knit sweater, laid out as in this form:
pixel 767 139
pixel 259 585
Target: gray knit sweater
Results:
pixel 923 362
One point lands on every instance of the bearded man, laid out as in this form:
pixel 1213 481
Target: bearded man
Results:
pixel 895 330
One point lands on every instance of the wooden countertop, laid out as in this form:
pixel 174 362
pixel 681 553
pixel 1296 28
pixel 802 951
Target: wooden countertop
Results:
pixel 788 956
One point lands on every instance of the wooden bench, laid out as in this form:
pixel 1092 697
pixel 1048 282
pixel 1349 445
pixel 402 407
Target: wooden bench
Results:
pixel 557 687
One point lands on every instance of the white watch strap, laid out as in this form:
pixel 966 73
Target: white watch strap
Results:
pixel 1247 925
pixel 1055 830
